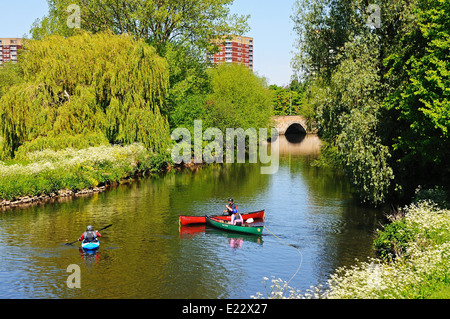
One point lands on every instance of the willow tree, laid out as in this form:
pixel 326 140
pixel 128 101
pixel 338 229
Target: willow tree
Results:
pixel 84 84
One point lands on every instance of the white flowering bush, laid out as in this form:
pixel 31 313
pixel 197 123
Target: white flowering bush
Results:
pixel 412 278
pixel 280 289
pixel 47 171
pixel 425 266
pixel 429 220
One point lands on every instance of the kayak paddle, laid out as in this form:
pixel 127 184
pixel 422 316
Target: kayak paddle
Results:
pixel 70 244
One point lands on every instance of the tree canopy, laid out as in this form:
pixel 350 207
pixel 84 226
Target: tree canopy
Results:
pixel 239 99
pixel 381 92
pixel 419 99
pixel 86 84
pixel 193 22
pixel 286 101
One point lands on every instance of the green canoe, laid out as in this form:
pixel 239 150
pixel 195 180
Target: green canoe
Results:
pixel 246 229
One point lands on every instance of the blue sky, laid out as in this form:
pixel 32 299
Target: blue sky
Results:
pixel 272 30
pixel 270 23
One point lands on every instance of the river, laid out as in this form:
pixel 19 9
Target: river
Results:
pixel 145 254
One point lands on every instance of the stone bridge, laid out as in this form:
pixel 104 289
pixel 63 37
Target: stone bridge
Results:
pixel 290 124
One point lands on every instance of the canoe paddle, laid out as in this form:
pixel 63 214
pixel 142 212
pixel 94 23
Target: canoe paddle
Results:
pixel 69 244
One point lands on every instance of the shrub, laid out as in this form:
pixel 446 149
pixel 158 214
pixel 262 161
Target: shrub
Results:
pixel 47 171
pixel 436 195
pixel 394 241
pixel 61 142
pixel 423 272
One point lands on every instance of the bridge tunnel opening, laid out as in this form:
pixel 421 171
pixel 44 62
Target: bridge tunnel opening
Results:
pixel 295 133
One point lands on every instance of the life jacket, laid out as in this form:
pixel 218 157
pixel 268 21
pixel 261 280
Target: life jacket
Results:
pixel 90 236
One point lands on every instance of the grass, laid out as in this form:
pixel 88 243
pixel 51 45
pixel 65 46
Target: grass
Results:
pixel 442 292
pixel 45 172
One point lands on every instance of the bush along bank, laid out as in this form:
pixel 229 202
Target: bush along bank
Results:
pixel 414 262
pixel 43 174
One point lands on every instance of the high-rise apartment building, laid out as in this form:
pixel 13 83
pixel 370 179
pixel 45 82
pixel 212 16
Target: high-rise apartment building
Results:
pixel 236 49
pixel 9 48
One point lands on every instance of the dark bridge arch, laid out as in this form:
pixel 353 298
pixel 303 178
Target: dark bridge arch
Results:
pixel 295 133
pixel 295 128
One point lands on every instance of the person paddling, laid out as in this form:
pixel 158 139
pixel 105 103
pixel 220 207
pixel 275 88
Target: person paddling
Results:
pixel 229 208
pixel 236 218
pixel 89 235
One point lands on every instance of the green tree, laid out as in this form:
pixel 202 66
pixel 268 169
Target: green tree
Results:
pixel 189 86
pixel 343 57
pixel 322 27
pixel 419 99
pixel 285 100
pixel 10 74
pixel 180 30
pixel 159 22
pixel 239 99
pixel 87 84
pixel 354 120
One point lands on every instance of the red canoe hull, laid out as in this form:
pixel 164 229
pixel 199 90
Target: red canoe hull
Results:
pixel 187 220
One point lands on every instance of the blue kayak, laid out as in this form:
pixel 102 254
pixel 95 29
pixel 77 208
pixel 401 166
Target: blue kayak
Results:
pixel 90 246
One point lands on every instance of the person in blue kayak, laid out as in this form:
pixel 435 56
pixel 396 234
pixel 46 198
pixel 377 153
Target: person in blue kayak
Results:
pixel 229 208
pixel 236 218
pixel 89 235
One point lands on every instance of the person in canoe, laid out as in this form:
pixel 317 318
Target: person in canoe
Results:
pixel 89 235
pixel 229 208
pixel 236 218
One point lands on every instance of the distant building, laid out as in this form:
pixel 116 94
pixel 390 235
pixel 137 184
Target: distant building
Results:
pixel 235 49
pixel 9 48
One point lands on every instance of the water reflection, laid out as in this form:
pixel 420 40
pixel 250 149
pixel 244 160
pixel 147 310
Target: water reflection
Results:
pixel 236 243
pixel 90 256
pixel 300 144
pixel 146 255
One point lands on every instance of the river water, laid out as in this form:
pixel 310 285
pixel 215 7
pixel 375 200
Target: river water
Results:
pixel 145 254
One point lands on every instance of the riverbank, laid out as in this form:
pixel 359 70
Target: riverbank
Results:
pixel 420 268
pixel 45 175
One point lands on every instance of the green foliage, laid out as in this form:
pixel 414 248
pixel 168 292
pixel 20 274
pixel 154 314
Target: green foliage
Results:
pixel 239 99
pixel 440 291
pixel 365 158
pixel 10 74
pixel 348 115
pixel 186 111
pixel 189 86
pixel 85 84
pixel 322 27
pixel 45 172
pixel 419 99
pixel 285 100
pixel 380 94
pixel 394 240
pixel 329 157
pixel 436 195
pixel 180 31
pixel 314 96
pixel 61 142
pixel 158 22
